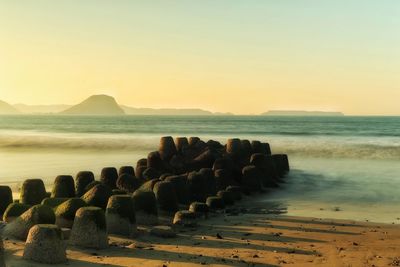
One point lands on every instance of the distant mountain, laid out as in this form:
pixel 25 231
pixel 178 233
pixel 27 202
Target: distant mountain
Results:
pixel 105 105
pixel 300 113
pixel 41 109
pixel 6 108
pixel 167 111
pixel 95 105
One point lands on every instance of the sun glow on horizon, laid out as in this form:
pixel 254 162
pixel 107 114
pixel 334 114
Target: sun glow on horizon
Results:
pixel 245 57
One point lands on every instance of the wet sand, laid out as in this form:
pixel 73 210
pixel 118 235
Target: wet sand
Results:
pixel 245 236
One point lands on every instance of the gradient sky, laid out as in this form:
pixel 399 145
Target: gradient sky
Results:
pixel 238 56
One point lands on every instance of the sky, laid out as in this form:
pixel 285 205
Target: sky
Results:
pixel 244 57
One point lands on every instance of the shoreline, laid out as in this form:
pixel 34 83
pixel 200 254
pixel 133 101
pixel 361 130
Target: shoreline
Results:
pixel 341 211
pixel 249 238
pixel 253 232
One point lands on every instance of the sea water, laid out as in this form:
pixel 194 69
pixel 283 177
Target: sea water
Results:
pixel 341 167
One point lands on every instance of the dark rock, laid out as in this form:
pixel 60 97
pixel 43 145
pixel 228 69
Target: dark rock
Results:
pixel 234 147
pixel 265 164
pixel 197 186
pixel 97 196
pixel 185 218
pixel 93 184
pixel 149 185
pixel 215 203
pixel 227 196
pixel 177 164
pixel 141 165
pixel 257 147
pixel 109 176
pixel 6 198
pixel 126 170
pixel 139 172
pixel 89 229
pixel 83 179
pixel 204 160
pixel 251 181
pixel 54 202
pixel 246 148
pixel 166 196
pixel 118 192
pixel 167 148
pixel 150 173
pixel 223 179
pixel 193 141
pixel 38 214
pixel 65 212
pixel 208 175
pixel 13 211
pixel 145 205
pixel 181 187
pixel 223 163
pixel 266 148
pixel 128 183
pixel 154 161
pixel 236 191
pixel 181 144
pixel 199 208
pixel 63 187
pixel 45 245
pixel 32 192
pixel 120 216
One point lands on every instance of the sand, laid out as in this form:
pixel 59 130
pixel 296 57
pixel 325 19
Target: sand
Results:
pixel 247 236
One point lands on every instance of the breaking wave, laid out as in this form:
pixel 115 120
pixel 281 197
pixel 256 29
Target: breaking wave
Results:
pixel 342 150
pixel 83 142
pixel 293 146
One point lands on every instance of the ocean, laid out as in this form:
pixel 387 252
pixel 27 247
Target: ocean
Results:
pixel 342 167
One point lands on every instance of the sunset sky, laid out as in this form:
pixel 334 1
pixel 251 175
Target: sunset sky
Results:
pixel 244 57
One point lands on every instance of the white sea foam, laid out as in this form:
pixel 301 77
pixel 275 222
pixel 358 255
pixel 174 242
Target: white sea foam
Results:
pixel 319 147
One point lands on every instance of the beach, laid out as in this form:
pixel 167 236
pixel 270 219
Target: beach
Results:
pixel 338 205
pixel 254 236
pixel 199 133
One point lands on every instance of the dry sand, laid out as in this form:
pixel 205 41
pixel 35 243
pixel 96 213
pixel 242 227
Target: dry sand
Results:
pixel 249 238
